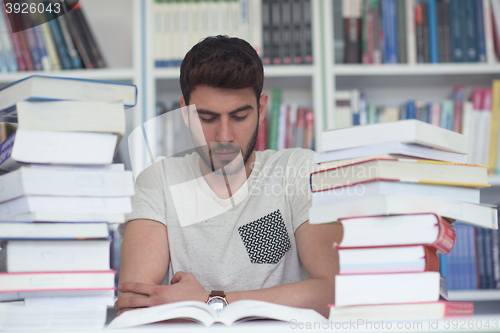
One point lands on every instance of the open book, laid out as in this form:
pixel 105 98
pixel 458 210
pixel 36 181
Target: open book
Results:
pixel 201 312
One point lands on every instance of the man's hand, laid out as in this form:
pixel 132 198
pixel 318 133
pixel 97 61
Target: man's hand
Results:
pixel 184 287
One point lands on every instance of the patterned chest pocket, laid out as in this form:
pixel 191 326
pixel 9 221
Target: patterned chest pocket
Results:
pixel 266 239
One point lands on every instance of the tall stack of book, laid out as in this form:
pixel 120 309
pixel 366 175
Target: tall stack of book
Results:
pixel 396 188
pixel 57 195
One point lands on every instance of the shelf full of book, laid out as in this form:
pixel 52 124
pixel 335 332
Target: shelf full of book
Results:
pixel 414 70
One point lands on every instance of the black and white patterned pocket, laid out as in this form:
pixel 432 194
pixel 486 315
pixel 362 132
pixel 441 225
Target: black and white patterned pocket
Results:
pixel 266 239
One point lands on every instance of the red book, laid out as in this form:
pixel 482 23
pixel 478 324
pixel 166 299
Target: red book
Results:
pixel 25 51
pixel 407 311
pixel 398 230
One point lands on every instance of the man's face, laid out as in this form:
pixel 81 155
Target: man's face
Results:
pixel 229 120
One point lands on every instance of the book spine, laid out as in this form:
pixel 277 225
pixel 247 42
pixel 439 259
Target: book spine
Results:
pixel 267 43
pixel 411 37
pixel 469 14
pixel 461 257
pixel 390 34
pixel 443 265
pixel 352 32
pixel 286 19
pixel 99 60
pixel 300 129
pixel 274 121
pixel 22 42
pixel 338 31
pixel 401 31
pixel 419 23
pixel 50 46
pixel 411 112
pixel 488 32
pixel 495 240
pixel 481 40
pixel 456 32
pixel 495 126
pixel 365 52
pixel 31 41
pixel 4 68
pixel 275 31
pixel 427 42
pixel 297 32
pixel 44 58
pixel 472 257
pixel 72 52
pixel 433 33
pixel 61 48
pixel 7 43
pixel 481 258
pixel 446 237
pixel 306 10
pixel 256 25
pixel 377 32
pixel 446 28
pixel 80 42
pixel 6 148
pixel 488 255
pixel 440 30
pixel 458 100
pixel 309 131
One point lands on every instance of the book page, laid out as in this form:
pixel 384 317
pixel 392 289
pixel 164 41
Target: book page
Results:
pixel 193 310
pixel 264 310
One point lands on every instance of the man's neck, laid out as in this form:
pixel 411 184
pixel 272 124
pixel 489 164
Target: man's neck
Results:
pixel 225 185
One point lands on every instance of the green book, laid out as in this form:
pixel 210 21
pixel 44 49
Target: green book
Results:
pixel 272 142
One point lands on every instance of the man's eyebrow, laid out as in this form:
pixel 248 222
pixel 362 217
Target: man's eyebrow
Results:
pixel 212 113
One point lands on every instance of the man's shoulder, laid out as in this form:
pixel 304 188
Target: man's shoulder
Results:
pixel 287 156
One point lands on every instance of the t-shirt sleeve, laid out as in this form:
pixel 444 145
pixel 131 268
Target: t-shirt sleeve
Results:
pixel 149 199
pixel 297 188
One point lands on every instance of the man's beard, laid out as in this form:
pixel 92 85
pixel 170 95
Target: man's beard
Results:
pixel 230 167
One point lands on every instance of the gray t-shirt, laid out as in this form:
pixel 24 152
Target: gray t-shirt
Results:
pixel 245 242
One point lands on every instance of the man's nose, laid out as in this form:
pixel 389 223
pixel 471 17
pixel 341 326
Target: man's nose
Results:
pixel 224 132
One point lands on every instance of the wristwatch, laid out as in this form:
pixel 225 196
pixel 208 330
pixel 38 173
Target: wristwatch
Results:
pixel 217 300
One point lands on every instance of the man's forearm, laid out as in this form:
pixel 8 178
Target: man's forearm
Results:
pixel 312 294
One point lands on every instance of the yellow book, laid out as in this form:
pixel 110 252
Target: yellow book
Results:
pixel 495 119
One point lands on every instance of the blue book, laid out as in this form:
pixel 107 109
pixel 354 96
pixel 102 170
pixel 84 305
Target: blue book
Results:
pixel 472 257
pixel 31 42
pixel 8 48
pixel 461 266
pixel 44 58
pixel 481 258
pixel 481 41
pixel 470 43
pixel 456 31
pixel 443 265
pixel 433 34
pixel 61 48
pixel 389 23
pixel 447 114
pixel 411 112
pixel 4 68
pixel 488 255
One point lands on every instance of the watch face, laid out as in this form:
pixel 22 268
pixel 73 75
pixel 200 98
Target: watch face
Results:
pixel 217 304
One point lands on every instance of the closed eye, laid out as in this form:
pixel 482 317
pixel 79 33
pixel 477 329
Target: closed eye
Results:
pixel 240 118
pixel 208 120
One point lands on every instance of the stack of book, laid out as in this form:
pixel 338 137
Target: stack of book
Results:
pixel 396 188
pixel 57 195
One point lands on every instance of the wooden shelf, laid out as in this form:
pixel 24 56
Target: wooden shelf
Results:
pixel 419 69
pixel 269 71
pixel 106 74
pixel 474 295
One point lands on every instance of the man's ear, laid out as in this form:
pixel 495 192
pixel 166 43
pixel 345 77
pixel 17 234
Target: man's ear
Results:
pixel 263 107
pixel 184 110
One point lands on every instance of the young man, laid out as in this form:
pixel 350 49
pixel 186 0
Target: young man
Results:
pixel 225 223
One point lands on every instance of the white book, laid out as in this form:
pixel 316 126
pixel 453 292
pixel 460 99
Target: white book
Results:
pixel 244 18
pixel 68 205
pixel 398 148
pixel 65 182
pixel 17 316
pixel 411 39
pixel 41 87
pixel 376 188
pixel 203 313
pixel 56 148
pixel 488 32
pixel 70 301
pixel 54 255
pixel 282 125
pixel 255 19
pixel 16 296
pixel 72 116
pixel 494 16
pixel 36 281
pixel 65 217
pixel 387 288
pixel 477 215
pixel 406 131
pixel 32 230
